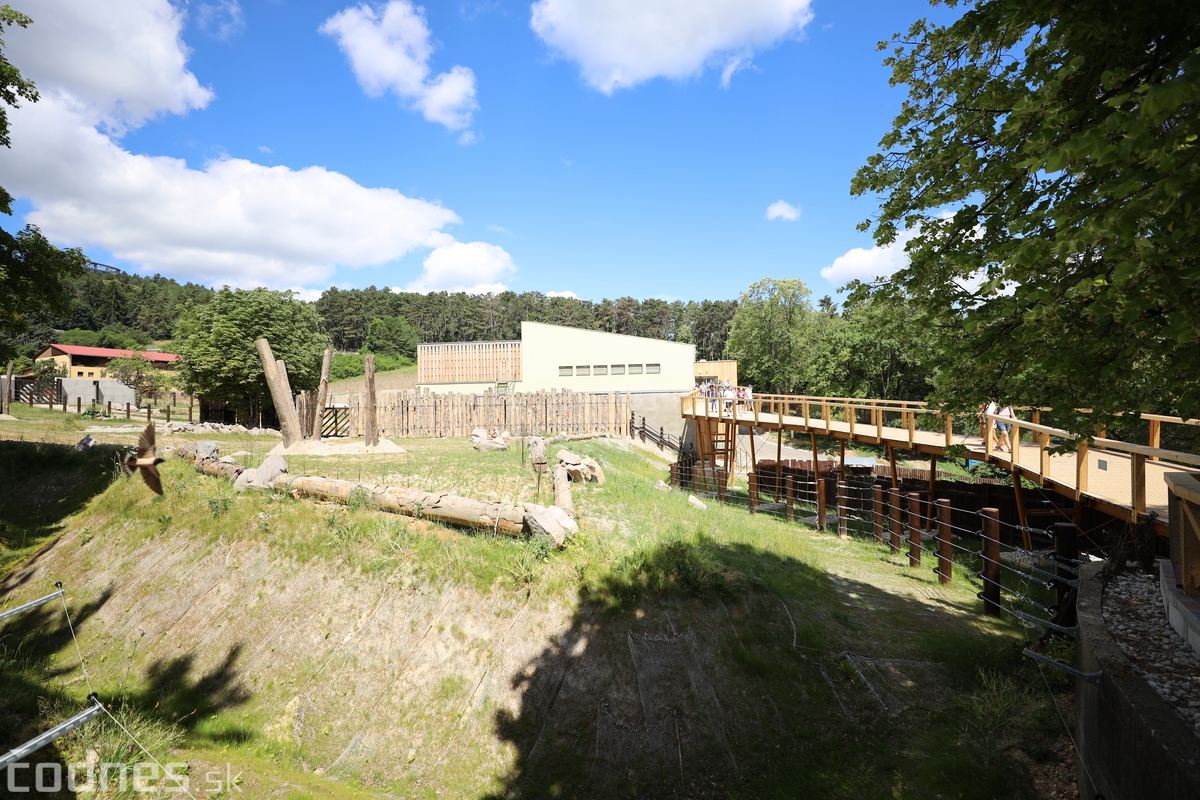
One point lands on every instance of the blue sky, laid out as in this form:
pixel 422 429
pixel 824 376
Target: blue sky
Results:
pixel 566 154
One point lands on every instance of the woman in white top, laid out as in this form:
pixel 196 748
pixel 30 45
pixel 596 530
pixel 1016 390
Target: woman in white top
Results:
pixel 1002 441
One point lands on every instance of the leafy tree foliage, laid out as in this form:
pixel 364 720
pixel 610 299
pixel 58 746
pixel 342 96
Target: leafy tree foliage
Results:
pixel 34 284
pixel 353 365
pixel 392 336
pixel 1047 164
pixel 117 301
pixel 117 336
pixel 868 351
pixel 13 88
pixel 769 334
pixel 217 344
pixel 139 373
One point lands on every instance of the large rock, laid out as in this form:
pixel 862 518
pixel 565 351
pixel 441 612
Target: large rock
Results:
pixel 596 473
pixel 566 520
pixel 485 445
pixel 567 457
pixel 207 448
pixel 244 480
pixel 695 502
pixel 270 469
pixel 662 486
pixel 478 434
pixel 541 521
pixel 86 443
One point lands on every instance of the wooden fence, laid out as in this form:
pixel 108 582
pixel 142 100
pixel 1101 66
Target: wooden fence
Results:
pixel 417 413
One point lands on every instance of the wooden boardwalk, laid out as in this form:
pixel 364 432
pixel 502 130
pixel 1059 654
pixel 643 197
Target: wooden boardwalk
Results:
pixel 1118 478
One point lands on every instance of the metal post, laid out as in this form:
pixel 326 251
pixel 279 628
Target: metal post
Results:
pixel 877 517
pixel 897 525
pixel 791 500
pixel 945 556
pixel 820 504
pixel 914 529
pixel 1066 550
pixel 843 511
pixel 991 561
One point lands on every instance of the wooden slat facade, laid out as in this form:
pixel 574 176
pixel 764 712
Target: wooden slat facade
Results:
pixel 469 362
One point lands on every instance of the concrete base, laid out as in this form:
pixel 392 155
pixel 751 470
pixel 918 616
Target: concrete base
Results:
pixel 1130 743
pixel 1183 611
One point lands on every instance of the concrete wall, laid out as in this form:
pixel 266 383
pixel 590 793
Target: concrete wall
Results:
pixel 661 410
pixel 546 348
pixel 1131 743
pixel 100 392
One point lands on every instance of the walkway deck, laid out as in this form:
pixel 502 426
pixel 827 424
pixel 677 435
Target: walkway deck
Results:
pixel 1121 479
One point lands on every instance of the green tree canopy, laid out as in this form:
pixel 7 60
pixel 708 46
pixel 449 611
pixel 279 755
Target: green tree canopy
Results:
pixel 769 334
pixel 392 336
pixel 138 373
pixel 13 88
pixel 216 340
pixel 1046 163
pixel 35 284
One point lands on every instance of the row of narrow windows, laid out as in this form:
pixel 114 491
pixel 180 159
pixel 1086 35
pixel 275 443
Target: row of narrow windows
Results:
pixel 584 370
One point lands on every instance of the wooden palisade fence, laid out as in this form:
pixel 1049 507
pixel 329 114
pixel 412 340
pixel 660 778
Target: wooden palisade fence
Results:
pixel 418 413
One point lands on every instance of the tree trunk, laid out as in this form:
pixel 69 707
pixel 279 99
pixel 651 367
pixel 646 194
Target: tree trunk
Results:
pixel 562 490
pixel 281 394
pixel 322 395
pixel 370 426
pixel 8 389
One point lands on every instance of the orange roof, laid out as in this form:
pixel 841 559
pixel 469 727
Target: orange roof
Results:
pixel 107 352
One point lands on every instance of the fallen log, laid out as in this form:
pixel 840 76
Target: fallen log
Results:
pixel 537 454
pixel 562 491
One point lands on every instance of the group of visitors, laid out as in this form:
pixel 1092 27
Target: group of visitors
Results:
pixel 1003 443
pixel 718 391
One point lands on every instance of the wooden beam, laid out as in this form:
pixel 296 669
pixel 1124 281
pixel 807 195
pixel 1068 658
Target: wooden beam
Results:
pixel 892 462
pixel 8 390
pixel 1137 486
pixel 842 446
pixel 281 397
pixel 1019 494
pixel 1155 429
pixel 370 422
pixel 322 395
pixel 816 464
pixel 1081 470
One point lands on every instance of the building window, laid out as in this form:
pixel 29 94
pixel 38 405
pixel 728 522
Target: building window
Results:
pixel 618 369
pixel 635 369
pixel 565 372
pixel 79 374
pixel 583 370
pixel 653 369
pixel 600 369
pixel 90 374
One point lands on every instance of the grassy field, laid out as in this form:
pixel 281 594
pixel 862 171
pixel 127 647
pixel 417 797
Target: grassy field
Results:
pixel 327 651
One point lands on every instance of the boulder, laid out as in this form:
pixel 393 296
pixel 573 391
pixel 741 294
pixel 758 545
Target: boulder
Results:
pixel 486 445
pixel 229 460
pixel 270 469
pixel 566 520
pixel 542 522
pixel 86 443
pixel 478 435
pixel 244 480
pixel 577 472
pixel 596 473
pixel 206 448
pixel 567 457
pixel 695 502
pixel 662 486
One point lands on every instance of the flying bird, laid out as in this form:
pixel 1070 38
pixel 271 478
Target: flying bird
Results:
pixel 146 461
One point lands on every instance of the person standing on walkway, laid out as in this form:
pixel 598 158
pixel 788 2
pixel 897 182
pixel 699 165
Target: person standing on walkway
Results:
pixel 1003 443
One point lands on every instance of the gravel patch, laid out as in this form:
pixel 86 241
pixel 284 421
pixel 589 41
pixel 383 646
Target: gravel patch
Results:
pixel 1133 612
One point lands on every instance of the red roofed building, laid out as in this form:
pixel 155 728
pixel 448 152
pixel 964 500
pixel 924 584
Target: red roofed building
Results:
pixel 92 362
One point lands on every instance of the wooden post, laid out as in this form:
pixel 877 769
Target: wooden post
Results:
pixel 149 411
pixel 281 396
pixel 791 499
pixel 168 413
pixel 108 409
pixel 1081 470
pixel 877 413
pixel 949 430
pixel 877 517
pixel 989 437
pixel 778 454
pixel 6 406
pixel 842 456
pixel 127 411
pixel 816 463
pixel 752 484
pixel 79 405
pixel 945 566
pixel 914 529
pixel 1137 486
pixel 843 511
pixel 370 423
pixel 991 561
pixel 820 484
pixel 322 395
pixel 191 403
pixel 892 463
pixel 64 401
pixel 932 490
pixel 897 525
pixel 1155 426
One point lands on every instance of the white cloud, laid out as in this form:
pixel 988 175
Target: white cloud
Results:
pixel 234 221
pixel 389 49
pixel 781 209
pixel 472 267
pixel 621 43
pixel 861 264
pixel 222 19
pixel 570 295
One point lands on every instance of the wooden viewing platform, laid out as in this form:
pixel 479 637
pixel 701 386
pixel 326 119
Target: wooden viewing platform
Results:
pixel 1124 480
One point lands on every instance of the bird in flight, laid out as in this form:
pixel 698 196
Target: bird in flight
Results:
pixel 146 461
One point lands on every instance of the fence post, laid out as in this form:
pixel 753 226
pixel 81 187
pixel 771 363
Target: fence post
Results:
pixel 189 409
pixel 149 411
pixel 64 401
pixel 1066 550
pixel 843 511
pixel 108 409
pixel 168 413
pixel 78 404
pixel 914 529
pixel 720 485
pixel 991 561
pixel 820 482
pixel 877 516
pixel 127 411
pixel 661 437
pixel 752 483
pixel 896 526
pixel 945 559
pixel 791 500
